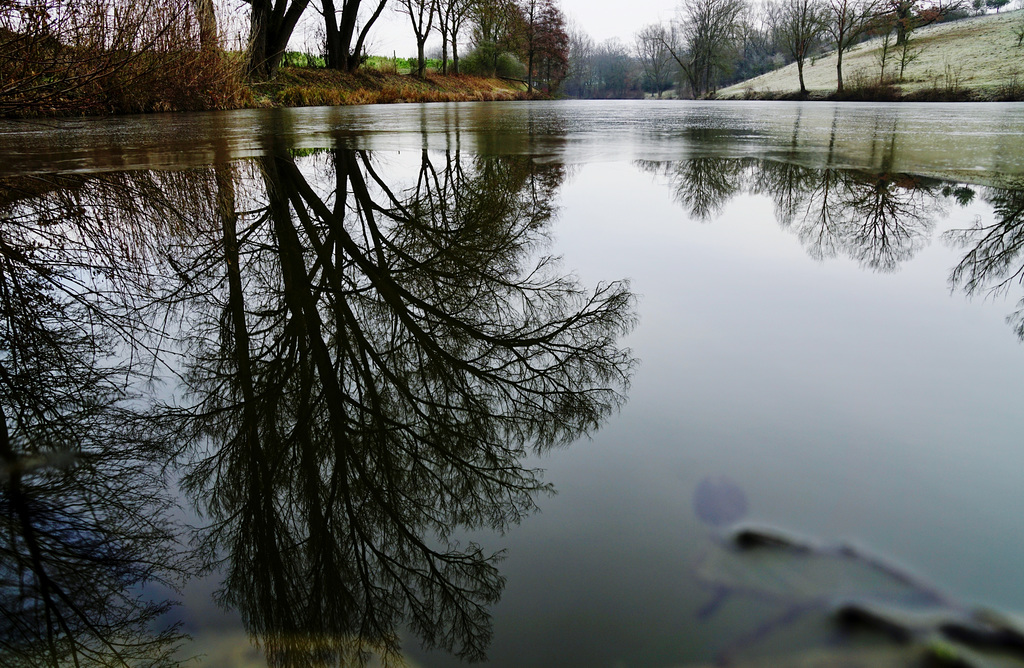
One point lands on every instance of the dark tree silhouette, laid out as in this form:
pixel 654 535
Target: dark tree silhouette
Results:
pixel 83 506
pixel 343 38
pixel 995 252
pixel 370 367
pixel 702 186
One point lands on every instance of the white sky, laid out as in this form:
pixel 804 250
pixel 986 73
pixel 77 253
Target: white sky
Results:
pixel 601 19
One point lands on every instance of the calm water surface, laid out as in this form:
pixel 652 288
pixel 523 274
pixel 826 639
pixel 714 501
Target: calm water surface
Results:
pixel 345 327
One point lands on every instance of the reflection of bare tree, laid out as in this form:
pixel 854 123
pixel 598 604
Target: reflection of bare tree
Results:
pixel 84 510
pixel 380 363
pixel 878 219
pixel 788 186
pixel 702 186
pixel 888 218
pixel 995 256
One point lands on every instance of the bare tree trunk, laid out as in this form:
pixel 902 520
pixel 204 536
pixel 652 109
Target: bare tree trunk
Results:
pixel 207 20
pixel 839 71
pixel 335 59
pixel 800 72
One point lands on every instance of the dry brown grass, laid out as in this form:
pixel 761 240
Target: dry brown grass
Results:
pixel 312 87
pixel 110 56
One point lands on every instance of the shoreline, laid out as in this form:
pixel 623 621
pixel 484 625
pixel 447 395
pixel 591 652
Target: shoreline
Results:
pixel 304 87
pixel 301 87
pixel 883 93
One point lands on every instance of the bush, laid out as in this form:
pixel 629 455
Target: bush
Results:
pixel 480 63
pixel 858 86
pixel 298 59
pixel 160 64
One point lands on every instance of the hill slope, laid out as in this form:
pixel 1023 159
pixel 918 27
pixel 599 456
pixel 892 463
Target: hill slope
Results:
pixel 976 58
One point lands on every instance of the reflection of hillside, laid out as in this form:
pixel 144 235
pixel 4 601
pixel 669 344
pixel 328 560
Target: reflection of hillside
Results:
pixel 370 367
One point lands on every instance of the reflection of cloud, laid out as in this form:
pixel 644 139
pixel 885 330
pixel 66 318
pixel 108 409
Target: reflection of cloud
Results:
pixel 719 501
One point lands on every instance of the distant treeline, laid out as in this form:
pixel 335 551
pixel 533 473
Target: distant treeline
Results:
pixel 711 44
pixel 95 56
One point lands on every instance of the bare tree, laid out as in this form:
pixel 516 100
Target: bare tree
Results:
pixel 845 22
pixel 451 17
pixel 653 55
pixel 271 23
pixel 797 26
pixel 579 81
pixel 908 15
pixel 341 52
pixel 421 14
pixel 703 38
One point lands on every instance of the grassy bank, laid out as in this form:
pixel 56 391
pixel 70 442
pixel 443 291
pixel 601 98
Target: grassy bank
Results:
pixel 974 59
pixel 298 87
pixel 195 81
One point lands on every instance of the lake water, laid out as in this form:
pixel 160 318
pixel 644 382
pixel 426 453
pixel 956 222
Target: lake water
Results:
pixel 359 333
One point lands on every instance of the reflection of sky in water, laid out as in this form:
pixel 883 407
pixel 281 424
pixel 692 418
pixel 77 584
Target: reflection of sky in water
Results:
pixel 847 404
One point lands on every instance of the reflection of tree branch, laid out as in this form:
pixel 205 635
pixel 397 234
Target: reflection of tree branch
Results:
pixel 880 219
pixel 888 219
pixel 84 507
pixel 400 363
pixel 994 261
pixel 703 186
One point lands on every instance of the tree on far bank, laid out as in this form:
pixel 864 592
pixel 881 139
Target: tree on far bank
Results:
pixel 845 22
pixel 421 14
pixel 579 78
pixel 552 62
pixel 797 26
pixel 341 52
pixel 451 17
pixel 703 39
pixel 615 70
pixel 909 15
pixel 530 10
pixel 271 23
pixel 654 57
pixel 495 30
pixel 543 41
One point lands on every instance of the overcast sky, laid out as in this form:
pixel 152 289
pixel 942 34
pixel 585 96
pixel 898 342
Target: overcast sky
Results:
pixel 601 19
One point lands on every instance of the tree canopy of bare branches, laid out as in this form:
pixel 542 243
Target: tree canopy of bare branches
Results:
pixel 797 26
pixel 654 56
pixel 703 40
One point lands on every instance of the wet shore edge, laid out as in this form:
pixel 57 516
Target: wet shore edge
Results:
pixel 885 93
